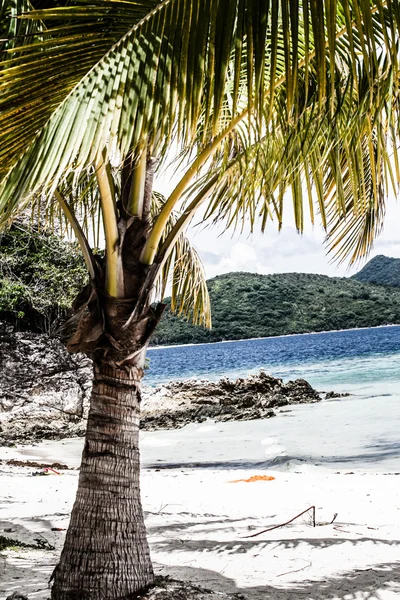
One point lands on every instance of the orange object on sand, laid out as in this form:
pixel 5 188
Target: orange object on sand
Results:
pixel 254 478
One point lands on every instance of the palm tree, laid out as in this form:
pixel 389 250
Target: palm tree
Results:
pixel 258 97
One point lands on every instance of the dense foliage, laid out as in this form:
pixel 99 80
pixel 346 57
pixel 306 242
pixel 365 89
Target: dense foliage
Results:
pixel 246 305
pixel 40 275
pixel 381 270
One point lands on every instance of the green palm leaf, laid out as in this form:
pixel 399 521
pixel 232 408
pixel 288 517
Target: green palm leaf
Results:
pixel 184 273
pixel 150 82
pixel 14 32
pixel 71 41
pixel 345 161
pixel 351 234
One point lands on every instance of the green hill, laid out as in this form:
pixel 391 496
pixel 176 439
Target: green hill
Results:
pixel 246 305
pixel 40 276
pixel 381 270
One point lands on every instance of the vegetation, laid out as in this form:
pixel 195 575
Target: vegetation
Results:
pixel 381 270
pixel 258 98
pixel 40 276
pixel 245 305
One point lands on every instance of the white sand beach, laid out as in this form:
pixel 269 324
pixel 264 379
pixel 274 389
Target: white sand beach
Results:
pixel 198 520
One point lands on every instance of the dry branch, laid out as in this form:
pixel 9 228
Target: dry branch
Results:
pixel 312 508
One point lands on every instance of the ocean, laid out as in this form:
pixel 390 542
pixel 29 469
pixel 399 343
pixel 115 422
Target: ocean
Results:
pixel 356 433
pixel 351 360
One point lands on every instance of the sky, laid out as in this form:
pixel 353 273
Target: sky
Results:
pixel 279 252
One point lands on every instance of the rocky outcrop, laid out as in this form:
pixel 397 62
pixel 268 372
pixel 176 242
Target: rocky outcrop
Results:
pixel 332 395
pixel 255 397
pixel 45 392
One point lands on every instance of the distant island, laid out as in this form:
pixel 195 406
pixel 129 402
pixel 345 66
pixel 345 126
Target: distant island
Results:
pixel 381 270
pixel 247 305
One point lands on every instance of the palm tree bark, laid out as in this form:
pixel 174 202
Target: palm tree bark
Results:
pixel 106 554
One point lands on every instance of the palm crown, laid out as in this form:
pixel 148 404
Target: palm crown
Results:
pixel 268 95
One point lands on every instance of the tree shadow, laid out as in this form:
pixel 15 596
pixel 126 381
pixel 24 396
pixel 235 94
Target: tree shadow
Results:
pixel 383 451
pixel 385 446
pixel 29 571
pixel 33 534
pixel 23 569
pixel 354 584
pixel 242 546
pixel 350 585
pixel 27 575
pixel 200 525
pixel 369 584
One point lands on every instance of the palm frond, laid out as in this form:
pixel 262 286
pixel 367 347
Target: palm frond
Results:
pixel 170 73
pixel 13 32
pixel 183 273
pixel 46 53
pixel 296 80
pixel 189 298
pixel 351 234
pixel 346 162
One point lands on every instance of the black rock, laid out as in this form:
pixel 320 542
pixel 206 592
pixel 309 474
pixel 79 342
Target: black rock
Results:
pixel 330 395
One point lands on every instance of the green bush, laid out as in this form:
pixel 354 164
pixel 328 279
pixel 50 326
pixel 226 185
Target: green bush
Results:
pixel 40 275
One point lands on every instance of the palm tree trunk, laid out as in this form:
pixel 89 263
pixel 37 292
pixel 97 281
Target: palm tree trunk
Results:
pixel 106 554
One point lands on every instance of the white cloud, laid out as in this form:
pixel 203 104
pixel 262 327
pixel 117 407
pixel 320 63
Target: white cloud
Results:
pixel 282 252
pixel 277 252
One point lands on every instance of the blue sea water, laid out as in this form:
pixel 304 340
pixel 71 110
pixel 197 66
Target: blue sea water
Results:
pixel 358 432
pixel 357 359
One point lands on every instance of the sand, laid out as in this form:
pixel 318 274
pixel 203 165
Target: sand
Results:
pixel 198 520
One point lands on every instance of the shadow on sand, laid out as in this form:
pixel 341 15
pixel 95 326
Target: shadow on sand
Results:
pixel 374 453
pixel 365 584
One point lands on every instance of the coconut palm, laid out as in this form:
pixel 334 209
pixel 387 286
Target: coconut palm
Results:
pixel 257 98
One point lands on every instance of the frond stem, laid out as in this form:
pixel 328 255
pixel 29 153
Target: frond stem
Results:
pixel 136 193
pixel 184 221
pixel 108 209
pixel 80 236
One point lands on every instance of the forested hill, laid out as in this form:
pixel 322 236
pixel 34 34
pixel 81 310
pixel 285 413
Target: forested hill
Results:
pixel 40 276
pixel 246 305
pixel 381 270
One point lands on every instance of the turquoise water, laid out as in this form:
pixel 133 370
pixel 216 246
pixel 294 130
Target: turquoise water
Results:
pixel 366 361
pixel 359 432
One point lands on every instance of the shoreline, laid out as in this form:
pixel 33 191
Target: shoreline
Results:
pixel 271 337
pixel 202 504
pixel 172 406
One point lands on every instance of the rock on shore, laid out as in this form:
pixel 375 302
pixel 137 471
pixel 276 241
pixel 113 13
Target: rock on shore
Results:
pixel 181 402
pixel 45 392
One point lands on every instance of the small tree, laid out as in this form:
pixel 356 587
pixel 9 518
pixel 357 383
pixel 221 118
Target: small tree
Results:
pixel 259 97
